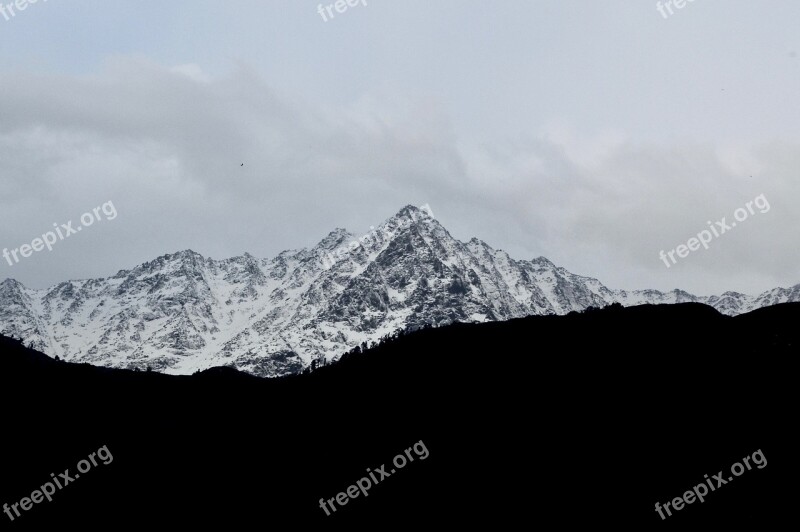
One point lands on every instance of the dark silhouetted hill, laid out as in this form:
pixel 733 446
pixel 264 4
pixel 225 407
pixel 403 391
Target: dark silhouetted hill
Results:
pixel 584 419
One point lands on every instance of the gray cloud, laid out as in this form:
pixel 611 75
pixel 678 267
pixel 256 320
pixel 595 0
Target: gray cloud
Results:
pixel 596 134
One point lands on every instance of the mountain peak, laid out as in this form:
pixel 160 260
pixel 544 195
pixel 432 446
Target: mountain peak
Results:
pixel 182 312
pixel 185 254
pixel 334 239
pixel 415 213
pixel 543 261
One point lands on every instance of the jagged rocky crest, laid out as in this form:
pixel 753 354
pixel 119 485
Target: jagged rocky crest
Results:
pixel 181 313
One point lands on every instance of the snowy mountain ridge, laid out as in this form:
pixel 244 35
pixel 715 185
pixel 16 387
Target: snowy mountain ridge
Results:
pixel 182 312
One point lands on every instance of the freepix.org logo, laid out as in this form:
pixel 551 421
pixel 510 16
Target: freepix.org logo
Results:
pixel 340 6
pixel 60 232
pixel 48 489
pixel 362 487
pixel 700 491
pixel 10 10
pixel 667 6
pixel 715 230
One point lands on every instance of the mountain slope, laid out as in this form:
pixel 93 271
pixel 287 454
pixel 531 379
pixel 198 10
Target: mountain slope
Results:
pixel 181 313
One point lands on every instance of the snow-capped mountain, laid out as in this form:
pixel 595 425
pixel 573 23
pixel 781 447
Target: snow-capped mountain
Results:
pixel 182 312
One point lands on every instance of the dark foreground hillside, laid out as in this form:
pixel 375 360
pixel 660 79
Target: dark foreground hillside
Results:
pixel 569 420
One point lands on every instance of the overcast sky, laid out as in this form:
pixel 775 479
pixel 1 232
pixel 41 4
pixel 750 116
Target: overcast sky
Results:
pixel 594 133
